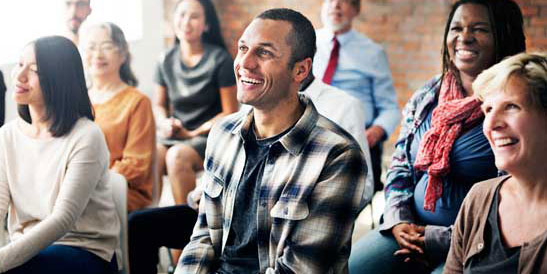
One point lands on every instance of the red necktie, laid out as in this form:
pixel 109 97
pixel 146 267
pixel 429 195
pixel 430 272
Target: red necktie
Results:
pixel 333 62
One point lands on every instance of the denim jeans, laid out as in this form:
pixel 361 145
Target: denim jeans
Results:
pixel 374 254
pixel 66 259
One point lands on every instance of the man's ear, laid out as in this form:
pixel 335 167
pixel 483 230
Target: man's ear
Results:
pixel 302 69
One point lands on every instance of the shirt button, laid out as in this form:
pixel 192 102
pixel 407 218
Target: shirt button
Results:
pixel 480 246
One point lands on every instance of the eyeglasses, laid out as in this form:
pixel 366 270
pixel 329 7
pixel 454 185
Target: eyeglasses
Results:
pixel 105 47
pixel 77 4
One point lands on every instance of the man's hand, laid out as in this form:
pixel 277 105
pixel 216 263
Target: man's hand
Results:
pixel 411 239
pixel 374 135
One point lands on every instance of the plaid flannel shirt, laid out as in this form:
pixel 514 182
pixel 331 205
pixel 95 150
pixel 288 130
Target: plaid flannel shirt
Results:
pixel 309 197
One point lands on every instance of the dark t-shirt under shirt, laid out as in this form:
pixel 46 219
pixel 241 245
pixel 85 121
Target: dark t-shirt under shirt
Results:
pixel 241 251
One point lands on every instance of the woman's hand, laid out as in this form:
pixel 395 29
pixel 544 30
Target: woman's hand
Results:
pixel 411 239
pixel 166 128
pixel 173 128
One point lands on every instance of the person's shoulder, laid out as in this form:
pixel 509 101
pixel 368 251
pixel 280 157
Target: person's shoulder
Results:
pixel 330 135
pixel 332 99
pixel 229 122
pixel 483 189
pixel 8 129
pixel 135 96
pixel 337 135
pixel 360 39
pixel 84 131
pixel 428 89
pixel 85 126
pixel 168 54
pixel 9 126
pixel 335 94
pixel 87 133
pixel 478 200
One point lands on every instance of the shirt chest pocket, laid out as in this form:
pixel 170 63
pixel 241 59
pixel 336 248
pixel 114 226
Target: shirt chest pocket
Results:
pixel 213 186
pixel 293 210
pixel 212 203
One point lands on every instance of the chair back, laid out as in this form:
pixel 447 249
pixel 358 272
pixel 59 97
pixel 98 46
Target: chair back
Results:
pixel 119 193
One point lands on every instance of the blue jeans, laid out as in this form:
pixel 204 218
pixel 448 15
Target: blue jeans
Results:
pixel 374 254
pixel 66 259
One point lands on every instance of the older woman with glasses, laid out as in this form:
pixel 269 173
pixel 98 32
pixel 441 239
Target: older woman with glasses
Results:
pixel 123 112
pixel 501 227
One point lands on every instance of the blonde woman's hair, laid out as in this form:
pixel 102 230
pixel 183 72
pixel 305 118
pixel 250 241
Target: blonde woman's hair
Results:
pixel 531 67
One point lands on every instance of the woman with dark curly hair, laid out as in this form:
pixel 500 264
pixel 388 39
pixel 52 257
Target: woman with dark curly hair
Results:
pixel 441 151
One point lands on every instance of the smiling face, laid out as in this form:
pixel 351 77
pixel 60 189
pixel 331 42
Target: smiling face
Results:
pixel 189 21
pixel 515 128
pixel 470 39
pixel 337 15
pixel 27 83
pixel 102 57
pixel 262 64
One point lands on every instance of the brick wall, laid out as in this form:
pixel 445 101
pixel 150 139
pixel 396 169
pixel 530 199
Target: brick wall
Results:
pixel 410 30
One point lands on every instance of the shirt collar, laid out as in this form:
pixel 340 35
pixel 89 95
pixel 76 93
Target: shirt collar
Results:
pixel 342 38
pixel 295 140
pixel 314 89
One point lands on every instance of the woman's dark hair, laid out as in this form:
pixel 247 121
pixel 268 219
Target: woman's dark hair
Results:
pixel 507 27
pixel 213 34
pixel 62 82
pixel 118 38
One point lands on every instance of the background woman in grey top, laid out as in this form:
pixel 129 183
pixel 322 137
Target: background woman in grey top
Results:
pixel 196 86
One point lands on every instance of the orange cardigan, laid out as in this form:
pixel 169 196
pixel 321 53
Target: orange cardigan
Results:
pixel 129 128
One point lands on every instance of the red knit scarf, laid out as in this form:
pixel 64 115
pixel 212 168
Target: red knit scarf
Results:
pixel 453 114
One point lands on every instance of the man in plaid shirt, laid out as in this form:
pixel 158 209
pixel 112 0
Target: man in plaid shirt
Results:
pixel 282 184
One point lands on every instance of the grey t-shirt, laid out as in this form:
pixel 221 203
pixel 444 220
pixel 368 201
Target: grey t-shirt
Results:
pixel 496 258
pixel 193 92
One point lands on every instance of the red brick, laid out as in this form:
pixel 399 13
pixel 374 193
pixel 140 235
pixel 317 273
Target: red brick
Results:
pixel 410 30
pixel 530 11
pixel 538 21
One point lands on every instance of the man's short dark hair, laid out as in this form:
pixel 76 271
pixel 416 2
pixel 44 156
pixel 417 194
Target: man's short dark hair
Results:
pixel 62 82
pixel 302 36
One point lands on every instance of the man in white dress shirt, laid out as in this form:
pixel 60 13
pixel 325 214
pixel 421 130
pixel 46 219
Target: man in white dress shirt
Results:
pixel 347 112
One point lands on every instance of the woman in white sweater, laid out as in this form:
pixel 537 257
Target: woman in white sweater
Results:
pixel 54 170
